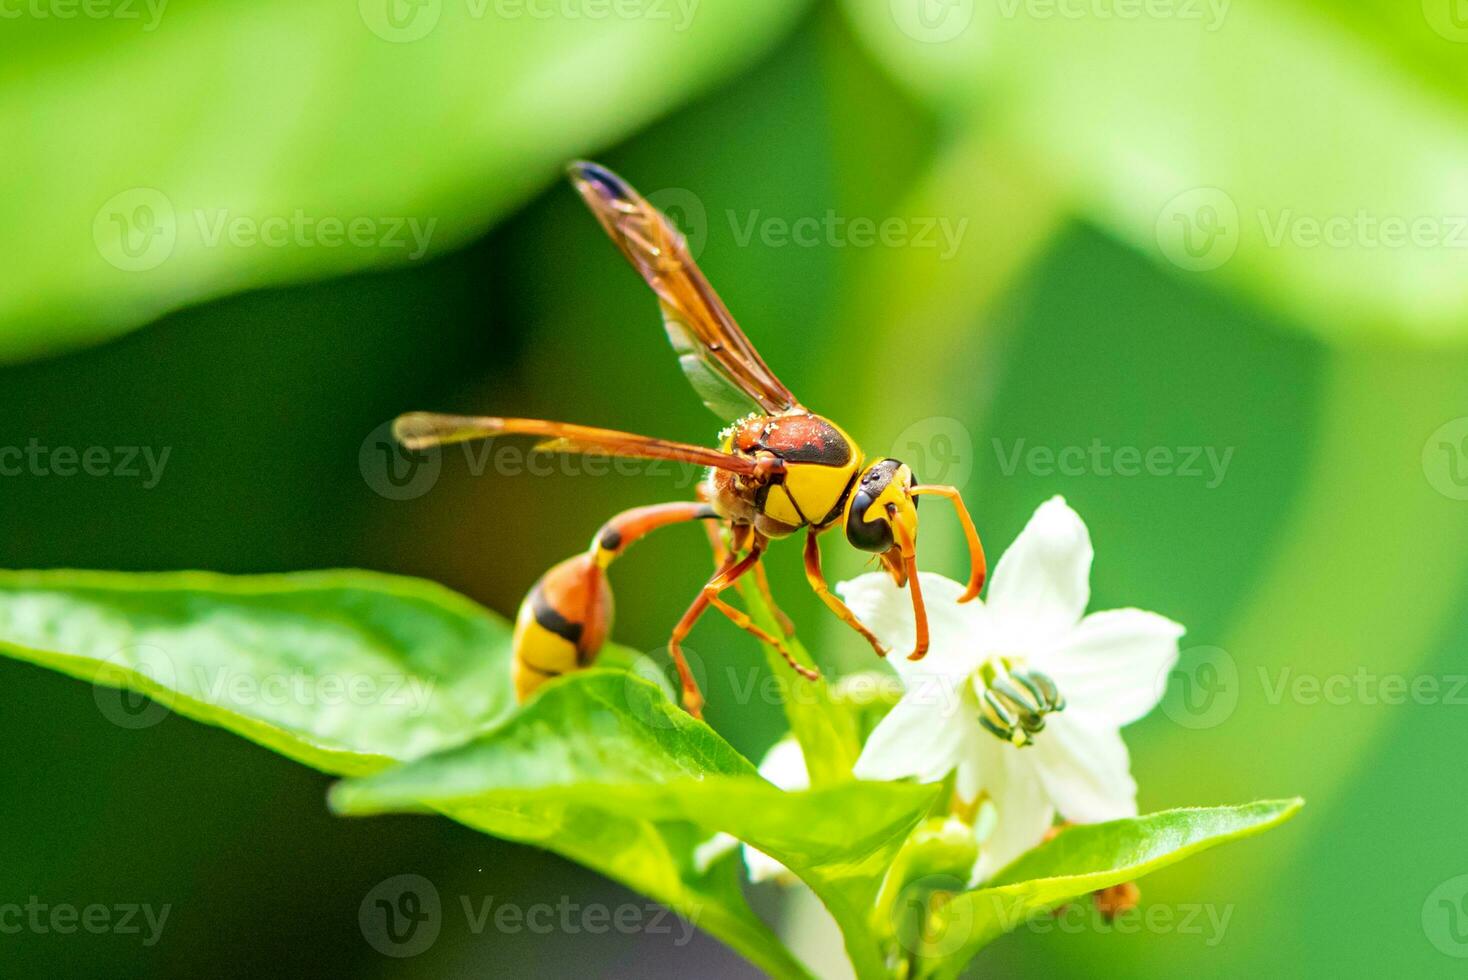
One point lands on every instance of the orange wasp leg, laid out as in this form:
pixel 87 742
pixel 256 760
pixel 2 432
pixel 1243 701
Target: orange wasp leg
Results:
pixel 761 580
pixel 908 547
pixel 978 567
pixel 728 573
pixel 741 619
pixel 818 584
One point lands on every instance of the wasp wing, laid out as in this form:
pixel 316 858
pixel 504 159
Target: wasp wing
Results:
pixel 421 430
pixel 718 359
pixel 725 397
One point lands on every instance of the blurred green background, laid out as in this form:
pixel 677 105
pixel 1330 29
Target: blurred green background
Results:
pixel 1236 228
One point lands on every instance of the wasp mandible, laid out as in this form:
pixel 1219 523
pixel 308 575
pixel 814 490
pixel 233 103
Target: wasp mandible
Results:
pixel 779 469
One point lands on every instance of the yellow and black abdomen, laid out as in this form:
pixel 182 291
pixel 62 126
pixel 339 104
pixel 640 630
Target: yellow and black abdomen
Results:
pixel 562 623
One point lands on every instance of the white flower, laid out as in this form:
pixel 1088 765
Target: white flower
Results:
pixel 1108 668
pixel 783 765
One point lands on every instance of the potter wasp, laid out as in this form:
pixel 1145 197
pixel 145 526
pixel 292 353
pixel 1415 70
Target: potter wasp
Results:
pixel 779 469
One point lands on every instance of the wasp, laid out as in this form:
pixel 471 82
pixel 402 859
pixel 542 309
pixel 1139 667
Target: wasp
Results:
pixel 779 469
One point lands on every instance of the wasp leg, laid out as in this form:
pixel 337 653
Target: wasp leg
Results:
pixel 818 583
pixel 741 619
pixel 762 582
pixel 978 568
pixel 728 573
pixel 715 529
pixel 907 548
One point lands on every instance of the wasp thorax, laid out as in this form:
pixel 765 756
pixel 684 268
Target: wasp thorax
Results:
pixel 881 491
pixel 1013 702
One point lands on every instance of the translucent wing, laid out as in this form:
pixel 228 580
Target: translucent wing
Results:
pixel 723 366
pixel 721 393
pixel 420 430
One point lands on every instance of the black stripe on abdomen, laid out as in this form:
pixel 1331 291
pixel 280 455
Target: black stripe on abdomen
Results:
pixel 550 619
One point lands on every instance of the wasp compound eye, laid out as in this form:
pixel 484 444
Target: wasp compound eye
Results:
pixel 883 482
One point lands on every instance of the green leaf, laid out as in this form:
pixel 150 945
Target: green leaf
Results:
pixel 1167 129
pixel 295 115
pixel 1081 860
pixel 826 731
pixel 347 672
pixel 344 671
pixel 613 743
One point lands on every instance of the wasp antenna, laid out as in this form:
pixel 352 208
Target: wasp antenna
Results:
pixel 420 430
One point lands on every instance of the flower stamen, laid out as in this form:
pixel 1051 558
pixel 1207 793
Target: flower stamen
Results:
pixel 1013 703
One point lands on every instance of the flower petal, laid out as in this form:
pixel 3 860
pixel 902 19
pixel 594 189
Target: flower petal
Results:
pixel 784 765
pixel 1113 667
pixel 1022 808
pixel 1085 769
pixel 1042 583
pixel 918 737
pixel 707 853
pixel 952 628
pixel 762 867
